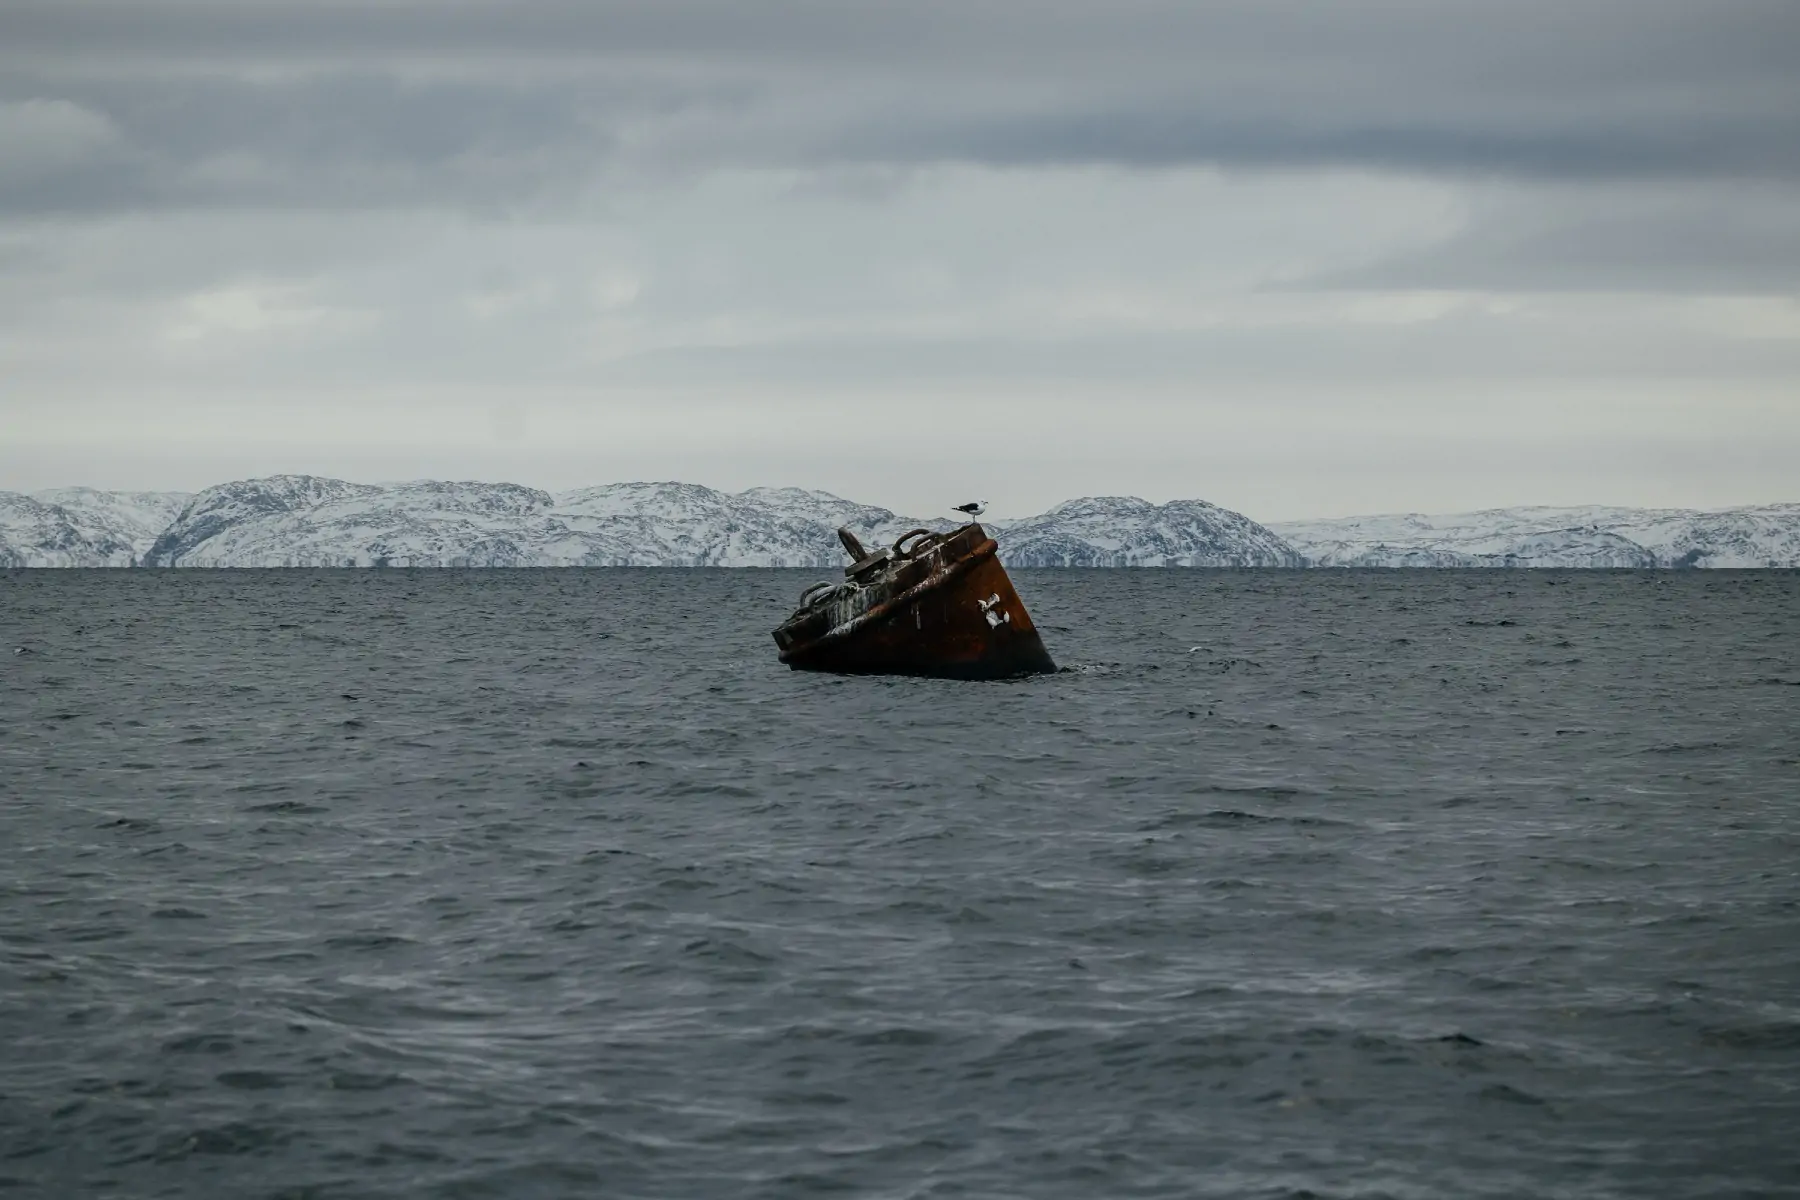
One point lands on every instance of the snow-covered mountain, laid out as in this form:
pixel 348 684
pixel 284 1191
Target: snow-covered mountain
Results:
pixel 1763 536
pixel 1112 531
pixel 304 520
pixel 307 521
pixel 873 525
pixel 82 527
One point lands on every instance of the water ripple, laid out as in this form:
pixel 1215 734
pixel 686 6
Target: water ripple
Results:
pixel 544 884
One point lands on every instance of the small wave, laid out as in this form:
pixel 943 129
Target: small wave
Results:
pixel 365 1081
pixel 1226 665
pixel 200 1043
pixel 273 786
pixel 1688 747
pixel 132 825
pixel 368 941
pixel 1271 791
pixel 898 1035
pixel 327 639
pixel 1502 1093
pixel 730 953
pixel 289 808
pixel 1227 817
pixel 891 1035
pixel 252 1081
pixel 236 1137
pixel 712 788
pixel 1772 1035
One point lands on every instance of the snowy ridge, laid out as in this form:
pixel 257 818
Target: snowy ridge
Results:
pixel 302 521
pixel 1112 531
pixel 309 521
pixel 82 527
pixel 1595 536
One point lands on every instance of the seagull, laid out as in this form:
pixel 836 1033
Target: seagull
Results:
pixel 973 508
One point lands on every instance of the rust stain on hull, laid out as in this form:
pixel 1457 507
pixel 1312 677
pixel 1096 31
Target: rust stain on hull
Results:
pixel 934 604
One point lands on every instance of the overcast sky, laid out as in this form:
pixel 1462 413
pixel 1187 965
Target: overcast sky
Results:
pixel 1297 258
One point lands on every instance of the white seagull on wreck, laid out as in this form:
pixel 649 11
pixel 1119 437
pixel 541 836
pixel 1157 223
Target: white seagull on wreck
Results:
pixel 973 508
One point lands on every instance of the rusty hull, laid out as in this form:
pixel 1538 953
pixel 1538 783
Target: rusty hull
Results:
pixel 937 605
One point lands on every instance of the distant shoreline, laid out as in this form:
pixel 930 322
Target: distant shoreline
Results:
pixel 298 522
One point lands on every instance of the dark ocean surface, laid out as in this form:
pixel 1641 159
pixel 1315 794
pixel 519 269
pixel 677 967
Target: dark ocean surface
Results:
pixel 554 883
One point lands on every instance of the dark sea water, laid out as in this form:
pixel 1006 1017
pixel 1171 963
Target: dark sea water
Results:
pixel 543 884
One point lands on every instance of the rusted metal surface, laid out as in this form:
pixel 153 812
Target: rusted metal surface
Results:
pixel 932 604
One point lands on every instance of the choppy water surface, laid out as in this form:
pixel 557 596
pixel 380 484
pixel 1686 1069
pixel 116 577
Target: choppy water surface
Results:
pixel 554 884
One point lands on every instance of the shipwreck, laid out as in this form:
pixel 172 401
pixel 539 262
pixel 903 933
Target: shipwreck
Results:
pixel 936 604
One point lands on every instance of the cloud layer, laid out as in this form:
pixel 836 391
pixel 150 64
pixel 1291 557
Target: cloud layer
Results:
pixel 767 210
pixel 502 103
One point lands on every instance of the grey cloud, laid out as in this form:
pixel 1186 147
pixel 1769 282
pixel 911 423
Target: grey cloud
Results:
pixel 1551 45
pixel 344 139
pixel 1185 132
pixel 482 103
pixel 1619 239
